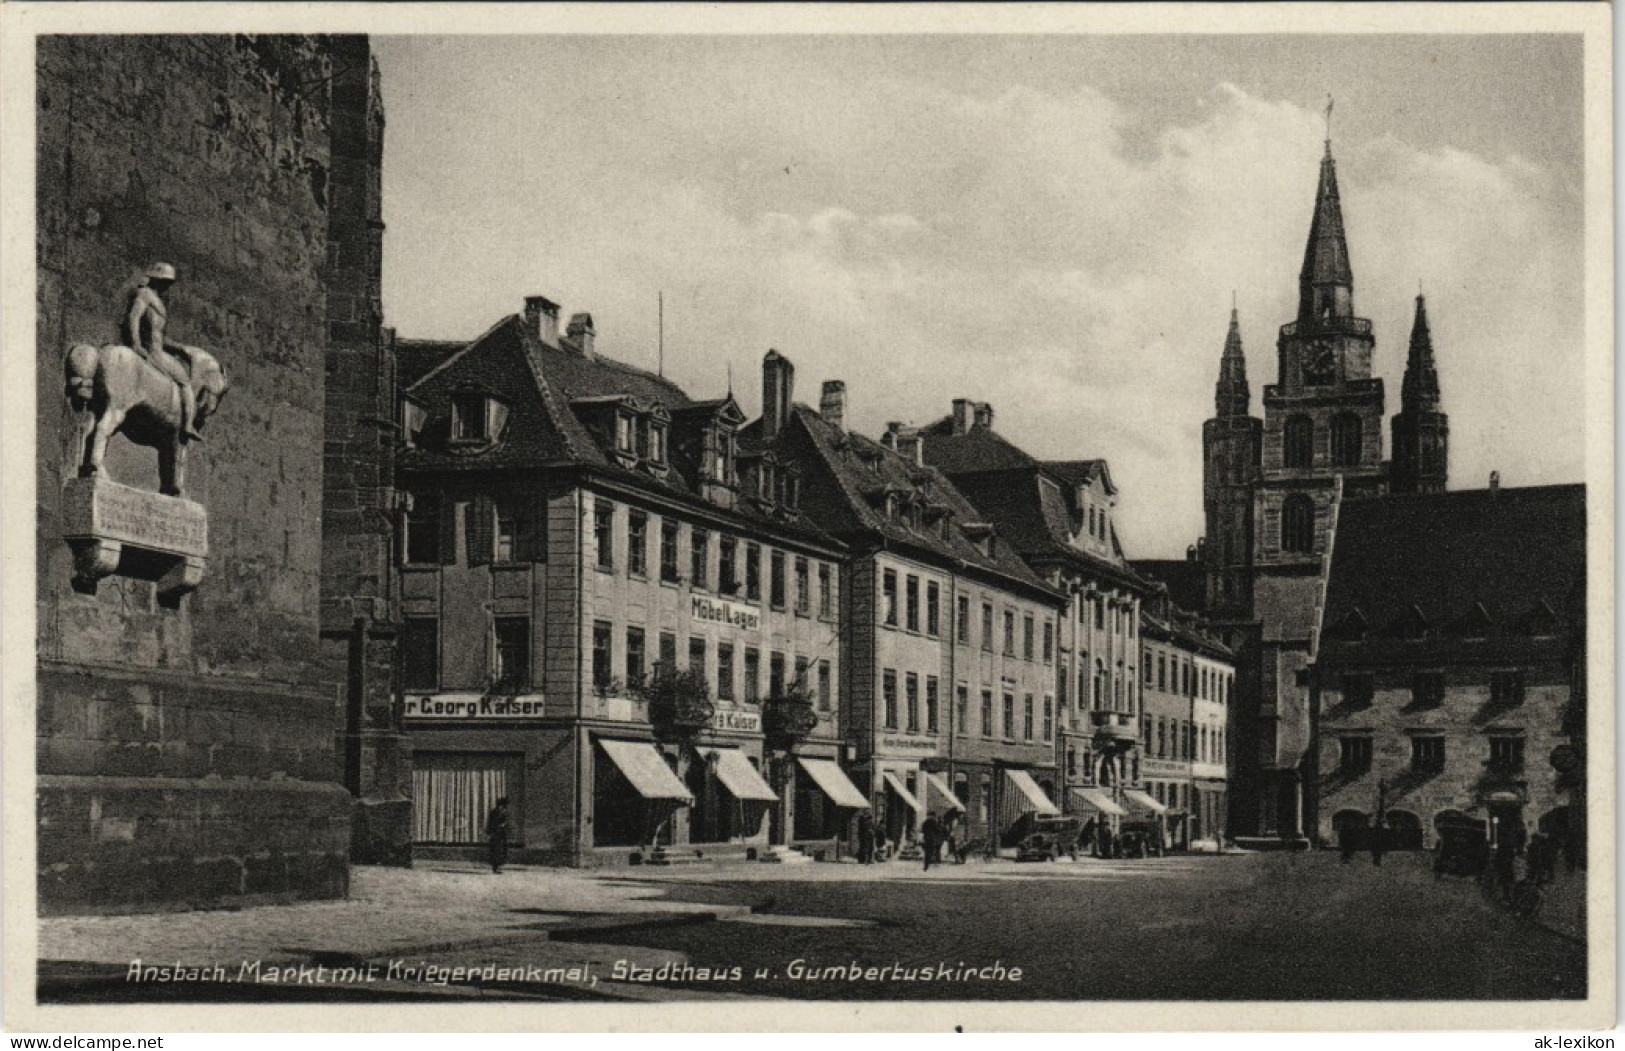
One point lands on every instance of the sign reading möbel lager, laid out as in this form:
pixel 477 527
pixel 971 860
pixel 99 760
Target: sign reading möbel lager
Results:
pixel 721 611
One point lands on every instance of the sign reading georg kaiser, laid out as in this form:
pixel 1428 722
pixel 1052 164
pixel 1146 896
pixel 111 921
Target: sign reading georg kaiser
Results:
pixel 747 722
pixel 721 611
pixel 471 707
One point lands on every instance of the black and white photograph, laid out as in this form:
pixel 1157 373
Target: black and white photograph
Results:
pixel 1063 518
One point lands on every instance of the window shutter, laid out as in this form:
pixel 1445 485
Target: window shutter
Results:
pixel 481 530
pixel 448 531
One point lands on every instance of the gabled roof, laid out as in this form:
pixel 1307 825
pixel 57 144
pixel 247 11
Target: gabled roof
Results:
pixel 416 357
pixel 1082 472
pixel 1456 562
pixel 847 497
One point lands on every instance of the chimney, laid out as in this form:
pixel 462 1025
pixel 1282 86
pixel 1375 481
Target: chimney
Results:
pixel 905 440
pixel 832 404
pixel 542 317
pixel 962 415
pixel 581 333
pixel 778 388
pixel 984 414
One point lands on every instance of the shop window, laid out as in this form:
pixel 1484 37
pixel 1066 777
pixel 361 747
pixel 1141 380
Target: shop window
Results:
pixel 513 653
pixel 420 653
pixel 637 544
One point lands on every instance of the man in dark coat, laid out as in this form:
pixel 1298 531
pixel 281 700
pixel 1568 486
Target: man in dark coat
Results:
pixel 931 834
pixel 496 833
pixel 866 838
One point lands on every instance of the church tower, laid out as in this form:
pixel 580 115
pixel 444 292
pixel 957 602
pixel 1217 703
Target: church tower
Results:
pixel 1231 441
pixel 1421 431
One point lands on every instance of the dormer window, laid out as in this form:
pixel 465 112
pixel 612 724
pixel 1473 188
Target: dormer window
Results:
pixel 792 490
pixel 625 433
pixel 657 442
pixel 477 417
pixel 412 418
pixel 765 482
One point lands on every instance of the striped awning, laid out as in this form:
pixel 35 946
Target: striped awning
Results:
pixel 740 778
pixel 1140 802
pixel 648 772
pixel 833 780
pixel 1035 797
pixel 938 795
pixel 895 783
pixel 1095 799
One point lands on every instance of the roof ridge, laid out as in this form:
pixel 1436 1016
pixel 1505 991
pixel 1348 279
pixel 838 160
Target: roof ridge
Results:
pixel 476 341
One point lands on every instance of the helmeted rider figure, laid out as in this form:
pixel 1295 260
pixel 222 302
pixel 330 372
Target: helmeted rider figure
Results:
pixel 142 330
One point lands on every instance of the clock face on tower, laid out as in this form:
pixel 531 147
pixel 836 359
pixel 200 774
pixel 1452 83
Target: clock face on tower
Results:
pixel 1319 362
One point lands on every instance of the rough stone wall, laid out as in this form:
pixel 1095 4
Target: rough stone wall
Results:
pixel 187 754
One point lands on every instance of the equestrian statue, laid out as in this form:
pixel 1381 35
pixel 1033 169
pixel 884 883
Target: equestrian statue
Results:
pixel 156 392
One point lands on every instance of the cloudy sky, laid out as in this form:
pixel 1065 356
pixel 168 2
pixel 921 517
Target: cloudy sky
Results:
pixel 1052 224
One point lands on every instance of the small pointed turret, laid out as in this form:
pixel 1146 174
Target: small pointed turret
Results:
pixel 1421 431
pixel 1232 394
pixel 1420 389
pixel 1326 283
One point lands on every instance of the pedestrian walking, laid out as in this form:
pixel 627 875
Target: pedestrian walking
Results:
pixel 931 834
pixel 866 839
pixel 496 834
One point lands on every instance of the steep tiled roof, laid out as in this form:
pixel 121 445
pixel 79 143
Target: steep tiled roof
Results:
pixel 977 449
pixel 1439 564
pixel 847 497
pixel 540 382
pixel 416 357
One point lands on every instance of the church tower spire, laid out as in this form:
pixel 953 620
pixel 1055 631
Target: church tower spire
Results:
pixel 1326 282
pixel 1232 394
pixel 1421 431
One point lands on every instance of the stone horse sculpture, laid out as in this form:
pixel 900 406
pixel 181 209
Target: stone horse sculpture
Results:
pixel 127 394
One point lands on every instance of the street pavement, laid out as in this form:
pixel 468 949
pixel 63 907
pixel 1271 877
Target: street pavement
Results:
pixel 1233 927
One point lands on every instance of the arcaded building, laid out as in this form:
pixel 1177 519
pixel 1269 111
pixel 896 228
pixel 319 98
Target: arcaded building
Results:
pixel 1445 683
pixel 612 616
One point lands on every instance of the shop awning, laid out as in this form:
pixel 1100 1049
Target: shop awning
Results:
pixel 1139 801
pixel 896 785
pixel 1031 792
pixel 740 778
pixel 938 796
pixel 834 782
pixel 1096 800
pixel 648 772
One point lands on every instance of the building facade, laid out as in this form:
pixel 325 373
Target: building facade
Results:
pixel 613 617
pixel 949 639
pixel 1270 487
pixel 1444 679
pixel 1060 519
pixel 1189 677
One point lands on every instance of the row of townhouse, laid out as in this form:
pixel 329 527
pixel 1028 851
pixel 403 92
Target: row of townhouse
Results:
pixel 658 629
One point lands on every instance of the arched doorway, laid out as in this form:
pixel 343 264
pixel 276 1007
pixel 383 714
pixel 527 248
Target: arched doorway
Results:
pixel 1404 830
